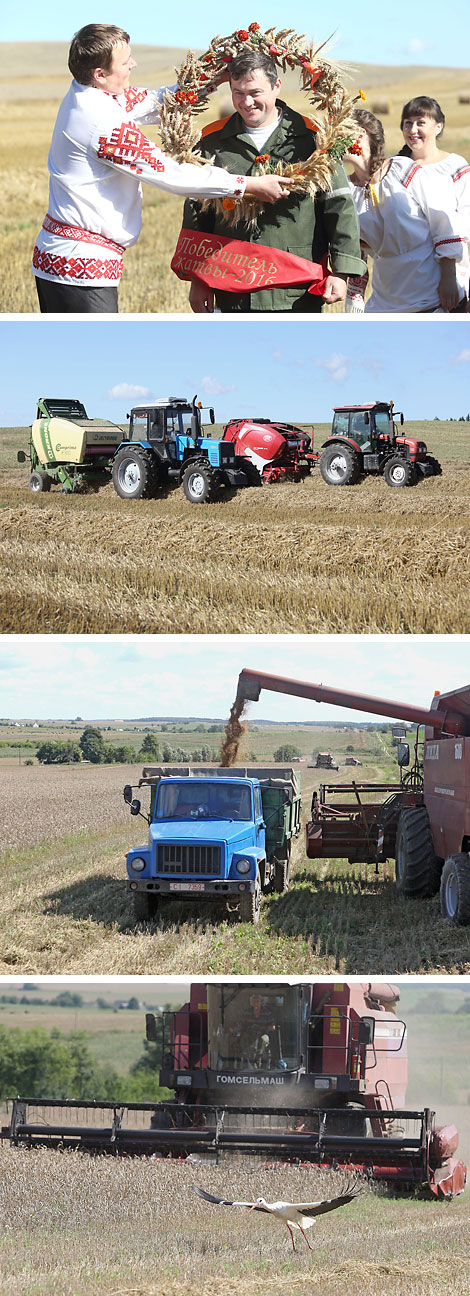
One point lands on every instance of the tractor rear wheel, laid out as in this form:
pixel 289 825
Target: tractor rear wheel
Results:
pixel 200 483
pixel 417 868
pixel 339 465
pixel 134 474
pixel 39 481
pixel 145 906
pixel 455 889
pixel 399 472
pixel 250 904
pixel 253 476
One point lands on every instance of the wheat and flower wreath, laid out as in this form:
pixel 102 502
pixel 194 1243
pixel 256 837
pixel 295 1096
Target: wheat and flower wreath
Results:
pixel 200 75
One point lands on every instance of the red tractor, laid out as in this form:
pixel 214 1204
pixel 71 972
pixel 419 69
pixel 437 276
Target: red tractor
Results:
pixel 364 439
pixel 278 450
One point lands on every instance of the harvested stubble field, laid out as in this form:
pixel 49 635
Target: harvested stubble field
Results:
pixel 64 906
pixel 148 284
pixel 286 558
pixel 105 1227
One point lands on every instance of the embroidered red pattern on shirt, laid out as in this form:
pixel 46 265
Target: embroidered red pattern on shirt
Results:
pixel 133 97
pixel 64 267
pixel 448 240
pixel 128 146
pixel 458 174
pixel 80 235
pixel 411 174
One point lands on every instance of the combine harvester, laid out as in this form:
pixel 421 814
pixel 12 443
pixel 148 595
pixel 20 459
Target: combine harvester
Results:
pixel 312 1072
pixel 423 822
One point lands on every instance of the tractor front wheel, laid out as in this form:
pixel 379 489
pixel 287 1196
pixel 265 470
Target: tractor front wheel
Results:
pixel 399 472
pixel 339 465
pixel 417 868
pixel 145 906
pixel 455 889
pixel 250 904
pixel 39 481
pixel 134 474
pixel 200 483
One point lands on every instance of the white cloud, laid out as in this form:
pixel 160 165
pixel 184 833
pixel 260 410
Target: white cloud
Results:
pixel 418 46
pixel 463 356
pixel 336 365
pixel 212 387
pixel 128 391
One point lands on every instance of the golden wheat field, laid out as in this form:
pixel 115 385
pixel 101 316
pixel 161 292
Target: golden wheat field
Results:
pixel 64 907
pixel 82 1226
pixel 292 557
pixel 33 80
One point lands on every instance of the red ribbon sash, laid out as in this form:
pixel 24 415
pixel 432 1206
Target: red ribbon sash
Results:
pixel 236 266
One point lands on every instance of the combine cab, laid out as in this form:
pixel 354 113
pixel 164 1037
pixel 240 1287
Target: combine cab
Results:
pixel 279 451
pixel 314 1072
pixel 69 448
pixel 364 439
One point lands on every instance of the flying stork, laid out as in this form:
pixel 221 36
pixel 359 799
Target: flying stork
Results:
pixel 295 1215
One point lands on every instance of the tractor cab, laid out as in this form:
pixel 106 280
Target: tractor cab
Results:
pixel 160 424
pixel 365 427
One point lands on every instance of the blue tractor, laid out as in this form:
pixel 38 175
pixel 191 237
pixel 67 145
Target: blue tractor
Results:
pixel 167 446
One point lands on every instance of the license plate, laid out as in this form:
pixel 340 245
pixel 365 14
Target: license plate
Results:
pixel 186 886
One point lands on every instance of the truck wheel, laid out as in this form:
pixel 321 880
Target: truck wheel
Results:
pixel 134 474
pixel 399 472
pixel 417 868
pixel 250 904
pixel 200 483
pixel 39 481
pixel 145 906
pixel 282 872
pixel 455 889
pixel 340 466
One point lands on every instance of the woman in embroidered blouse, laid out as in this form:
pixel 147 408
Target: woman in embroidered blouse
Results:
pixel 409 224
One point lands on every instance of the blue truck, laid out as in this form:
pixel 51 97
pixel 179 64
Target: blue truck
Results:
pixel 168 446
pixel 215 834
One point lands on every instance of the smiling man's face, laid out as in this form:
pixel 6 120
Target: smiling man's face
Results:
pixel 255 98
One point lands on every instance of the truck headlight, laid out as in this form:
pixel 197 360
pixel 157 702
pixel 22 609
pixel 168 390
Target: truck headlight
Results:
pixel 243 866
pixel 137 865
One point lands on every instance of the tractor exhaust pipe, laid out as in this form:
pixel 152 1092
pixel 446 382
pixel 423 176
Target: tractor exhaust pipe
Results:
pixel 250 684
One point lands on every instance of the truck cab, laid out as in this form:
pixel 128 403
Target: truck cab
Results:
pixel 215 834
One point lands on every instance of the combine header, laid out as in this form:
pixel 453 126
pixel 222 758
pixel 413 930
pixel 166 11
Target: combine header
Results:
pixel 423 822
pixel 311 1073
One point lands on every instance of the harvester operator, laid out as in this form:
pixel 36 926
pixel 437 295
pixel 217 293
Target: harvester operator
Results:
pixel 324 231
pixel 98 157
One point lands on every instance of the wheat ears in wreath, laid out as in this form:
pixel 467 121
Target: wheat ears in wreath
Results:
pixel 319 78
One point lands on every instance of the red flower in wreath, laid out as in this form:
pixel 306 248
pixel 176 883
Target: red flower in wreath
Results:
pixel 262 157
pixel 228 204
pixel 181 96
pixel 243 35
pixel 191 96
pixel 254 27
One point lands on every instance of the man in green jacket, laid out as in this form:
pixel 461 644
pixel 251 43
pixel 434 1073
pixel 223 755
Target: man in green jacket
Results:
pixel 325 230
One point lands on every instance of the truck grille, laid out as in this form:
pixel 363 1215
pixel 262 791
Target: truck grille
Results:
pixel 202 861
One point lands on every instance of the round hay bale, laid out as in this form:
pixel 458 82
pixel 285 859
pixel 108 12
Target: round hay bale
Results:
pixel 464 96
pixel 380 106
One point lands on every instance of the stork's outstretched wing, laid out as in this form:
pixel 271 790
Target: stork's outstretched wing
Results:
pixel 321 1208
pixel 223 1201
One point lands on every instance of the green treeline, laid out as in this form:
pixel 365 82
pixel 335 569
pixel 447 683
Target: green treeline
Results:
pixel 46 1064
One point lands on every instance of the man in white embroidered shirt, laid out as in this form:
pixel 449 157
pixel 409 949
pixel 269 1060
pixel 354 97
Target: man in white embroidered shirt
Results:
pixel 97 160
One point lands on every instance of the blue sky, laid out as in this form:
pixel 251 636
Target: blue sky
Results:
pixel 401 33
pixel 120 677
pixel 287 370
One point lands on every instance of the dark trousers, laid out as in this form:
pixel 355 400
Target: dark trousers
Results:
pixel 66 299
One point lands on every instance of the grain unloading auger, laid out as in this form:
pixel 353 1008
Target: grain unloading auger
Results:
pixel 312 1072
pixel 423 822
